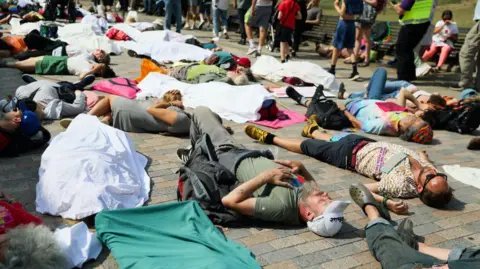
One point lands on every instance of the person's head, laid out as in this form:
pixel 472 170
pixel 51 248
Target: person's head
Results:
pixel 172 95
pixel 104 71
pixel 10 121
pixel 31 246
pixel 211 60
pixel 313 201
pixel 467 93
pixel 433 189
pixel 101 56
pixel 315 3
pixel 437 101
pixel 447 15
pixel 414 129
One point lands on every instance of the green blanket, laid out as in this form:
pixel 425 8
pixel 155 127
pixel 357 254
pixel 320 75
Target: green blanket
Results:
pixel 169 236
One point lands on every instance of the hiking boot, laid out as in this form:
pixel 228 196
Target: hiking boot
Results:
pixel 405 231
pixel 251 50
pixel 474 144
pixel 28 79
pixel 318 93
pixel 292 93
pixel 183 155
pixel 256 133
pixel 354 76
pixel 363 197
pixel 311 126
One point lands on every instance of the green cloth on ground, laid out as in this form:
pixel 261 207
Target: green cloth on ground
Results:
pixel 169 236
pixel 52 65
pixel 196 70
pixel 274 203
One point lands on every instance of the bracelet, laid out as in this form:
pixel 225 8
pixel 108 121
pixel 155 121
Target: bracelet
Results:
pixel 384 203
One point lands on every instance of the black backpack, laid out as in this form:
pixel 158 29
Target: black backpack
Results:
pixel 464 119
pixel 205 180
pixel 328 114
pixel 380 31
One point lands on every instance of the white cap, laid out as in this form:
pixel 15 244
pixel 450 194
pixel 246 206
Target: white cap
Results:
pixel 330 223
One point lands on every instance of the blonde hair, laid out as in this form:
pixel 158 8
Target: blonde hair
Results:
pixel 170 97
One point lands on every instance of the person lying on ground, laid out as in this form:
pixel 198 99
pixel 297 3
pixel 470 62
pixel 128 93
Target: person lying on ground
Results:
pixel 20 131
pixel 400 248
pixel 378 117
pixel 161 116
pixel 55 100
pixel 203 73
pixel 400 172
pixel 13 214
pixel 60 65
pixel 37 45
pixel 281 191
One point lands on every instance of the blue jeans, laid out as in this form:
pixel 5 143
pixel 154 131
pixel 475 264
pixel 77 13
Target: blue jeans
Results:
pixel 379 88
pixel 389 249
pixel 174 6
pixel 147 4
pixel 219 14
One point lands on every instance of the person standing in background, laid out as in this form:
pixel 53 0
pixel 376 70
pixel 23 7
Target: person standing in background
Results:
pixel 288 14
pixel 204 12
pixel 314 14
pixel 299 27
pixel 242 7
pixel 469 57
pixel 192 13
pixel 220 14
pixel 364 26
pixel 415 17
pixel 260 13
pixel 175 7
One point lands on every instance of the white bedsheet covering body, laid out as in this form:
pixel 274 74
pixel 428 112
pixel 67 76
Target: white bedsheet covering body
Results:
pixel 89 168
pixel 466 175
pixel 83 35
pixel 168 51
pixel 269 68
pixel 237 103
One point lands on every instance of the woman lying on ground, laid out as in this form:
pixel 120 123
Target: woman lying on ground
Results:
pixel 60 65
pixel 150 116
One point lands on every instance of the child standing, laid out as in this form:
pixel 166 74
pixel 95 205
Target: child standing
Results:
pixel 288 12
pixel 220 13
pixel 345 33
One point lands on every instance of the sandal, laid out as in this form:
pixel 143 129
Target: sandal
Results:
pixel 341 91
pixel 363 197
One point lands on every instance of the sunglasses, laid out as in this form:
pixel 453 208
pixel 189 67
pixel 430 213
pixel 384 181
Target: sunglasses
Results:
pixel 429 177
pixel 11 105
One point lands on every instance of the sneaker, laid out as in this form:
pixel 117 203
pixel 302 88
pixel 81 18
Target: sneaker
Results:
pixel 251 50
pixel 242 42
pixel 341 91
pixel 258 54
pixel 200 25
pixel 292 93
pixel 287 58
pixel 405 231
pixel 28 79
pixel 65 123
pixel 192 27
pixel 132 53
pixel 186 26
pixel 311 126
pixel 216 39
pixel 318 92
pixel 354 76
pixel 423 70
pixel 256 133
pixel 225 35
pixel 183 155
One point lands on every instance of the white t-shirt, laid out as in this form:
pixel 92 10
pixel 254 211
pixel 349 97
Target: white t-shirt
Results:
pixel 264 3
pixel 476 15
pixel 221 4
pixel 440 38
pixel 73 51
pixel 78 64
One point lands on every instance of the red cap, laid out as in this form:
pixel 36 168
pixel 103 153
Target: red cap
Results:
pixel 244 62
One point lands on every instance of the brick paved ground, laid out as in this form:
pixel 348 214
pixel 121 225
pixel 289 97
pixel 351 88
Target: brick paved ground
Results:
pixel 286 247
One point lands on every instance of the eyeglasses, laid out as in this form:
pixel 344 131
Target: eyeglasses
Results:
pixel 11 105
pixel 429 177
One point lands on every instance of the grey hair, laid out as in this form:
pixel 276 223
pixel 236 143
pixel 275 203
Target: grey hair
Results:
pixel 306 191
pixel 241 79
pixel 31 247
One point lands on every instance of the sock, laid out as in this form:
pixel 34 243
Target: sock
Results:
pixel 259 48
pixel 332 68
pixel 269 139
pixel 303 101
pixel 252 44
pixel 354 67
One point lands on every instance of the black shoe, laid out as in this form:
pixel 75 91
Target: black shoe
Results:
pixel 354 76
pixel 183 155
pixel 405 231
pixel 294 53
pixel 292 93
pixel 28 79
pixel 87 80
pixel 132 53
pixel 257 54
pixel 331 71
pixel 200 26
pixel 242 42
pixel 341 91
pixel 287 58
pixel 318 92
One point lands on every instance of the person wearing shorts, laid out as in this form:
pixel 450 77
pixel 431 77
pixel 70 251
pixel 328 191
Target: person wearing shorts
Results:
pixel 345 33
pixel 288 12
pixel 258 16
pixel 205 11
pixel 192 13
pixel 364 25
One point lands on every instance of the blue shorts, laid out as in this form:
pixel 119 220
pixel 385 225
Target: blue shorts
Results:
pixel 344 35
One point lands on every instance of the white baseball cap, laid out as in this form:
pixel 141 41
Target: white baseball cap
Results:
pixel 330 223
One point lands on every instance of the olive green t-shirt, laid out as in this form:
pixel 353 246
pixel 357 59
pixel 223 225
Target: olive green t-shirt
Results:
pixel 274 203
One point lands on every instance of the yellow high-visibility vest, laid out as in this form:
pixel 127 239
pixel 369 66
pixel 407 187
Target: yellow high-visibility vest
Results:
pixel 420 12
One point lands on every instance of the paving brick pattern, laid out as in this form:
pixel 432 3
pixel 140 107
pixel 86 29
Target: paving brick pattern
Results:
pixel 286 247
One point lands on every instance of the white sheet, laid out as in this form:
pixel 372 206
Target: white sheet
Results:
pixel 168 51
pixel 466 175
pixel 23 29
pixel 307 92
pixel 237 103
pixel 84 36
pixel 269 68
pixel 79 244
pixel 87 170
